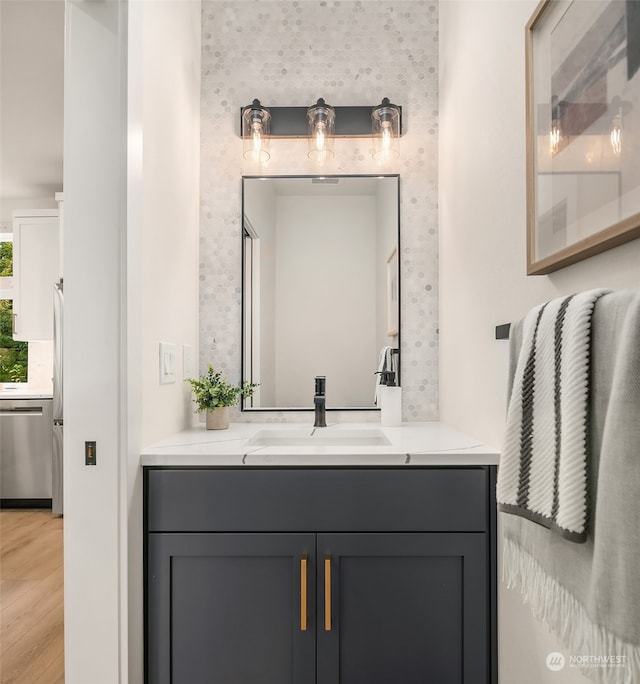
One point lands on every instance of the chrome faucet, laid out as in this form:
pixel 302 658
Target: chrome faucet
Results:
pixel 319 401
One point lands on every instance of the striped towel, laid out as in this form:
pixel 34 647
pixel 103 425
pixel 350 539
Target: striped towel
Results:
pixel 544 468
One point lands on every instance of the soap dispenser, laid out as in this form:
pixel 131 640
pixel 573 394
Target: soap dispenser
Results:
pixel 390 400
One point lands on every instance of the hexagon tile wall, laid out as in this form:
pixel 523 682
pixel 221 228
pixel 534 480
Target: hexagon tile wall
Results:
pixel 292 53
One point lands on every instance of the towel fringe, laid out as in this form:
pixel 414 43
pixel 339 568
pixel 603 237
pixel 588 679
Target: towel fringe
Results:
pixel 567 618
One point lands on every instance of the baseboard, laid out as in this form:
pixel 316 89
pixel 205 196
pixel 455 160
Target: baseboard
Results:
pixel 25 503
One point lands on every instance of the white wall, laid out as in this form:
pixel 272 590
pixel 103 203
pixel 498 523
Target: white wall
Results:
pixel 31 94
pixel 40 365
pixel 131 280
pixel 94 177
pixel 482 256
pixel 162 252
pixel 170 212
pixel 350 53
pixel 31 108
pixel 9 205
pixel 386 240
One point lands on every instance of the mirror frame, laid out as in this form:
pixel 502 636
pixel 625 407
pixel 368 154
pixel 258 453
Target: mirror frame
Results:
pixel 310 408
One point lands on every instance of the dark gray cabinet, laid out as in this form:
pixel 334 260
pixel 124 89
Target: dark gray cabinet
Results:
pixel 406 609
pixel 226 608
pixel 318 576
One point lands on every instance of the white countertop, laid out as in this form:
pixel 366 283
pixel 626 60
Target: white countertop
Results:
pixel 14 393
pixel 412 444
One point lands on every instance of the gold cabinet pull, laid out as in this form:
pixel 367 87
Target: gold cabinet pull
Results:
pixel 327 593
pixel 303 593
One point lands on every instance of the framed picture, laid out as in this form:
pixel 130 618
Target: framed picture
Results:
pixel 583 130
pixel 393 305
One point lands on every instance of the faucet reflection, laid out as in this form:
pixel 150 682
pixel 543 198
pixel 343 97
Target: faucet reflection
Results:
pixel 319 401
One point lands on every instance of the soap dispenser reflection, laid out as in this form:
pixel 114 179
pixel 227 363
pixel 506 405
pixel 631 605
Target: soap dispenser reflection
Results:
pixel 320 402
pixel 390 400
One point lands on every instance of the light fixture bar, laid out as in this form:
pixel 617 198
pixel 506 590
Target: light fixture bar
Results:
pixel 350 122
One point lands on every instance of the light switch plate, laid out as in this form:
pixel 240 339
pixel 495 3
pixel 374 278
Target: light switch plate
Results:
pixel 187 361
pixel 167 363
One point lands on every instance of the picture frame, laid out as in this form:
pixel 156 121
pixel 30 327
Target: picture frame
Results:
pixel 583 130
pixel 393 304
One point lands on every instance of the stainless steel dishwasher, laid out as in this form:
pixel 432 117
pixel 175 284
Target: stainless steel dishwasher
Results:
pixel 26 450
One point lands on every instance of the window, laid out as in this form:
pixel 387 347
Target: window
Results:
pixel 13 354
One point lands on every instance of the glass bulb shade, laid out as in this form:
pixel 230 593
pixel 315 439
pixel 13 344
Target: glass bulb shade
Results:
pixel 555 136
pixel 385 129
pixel 256 123
pixel 321 118
pixel 616 136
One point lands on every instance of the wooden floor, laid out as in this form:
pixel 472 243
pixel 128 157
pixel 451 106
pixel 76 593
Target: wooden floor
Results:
pixel 31 605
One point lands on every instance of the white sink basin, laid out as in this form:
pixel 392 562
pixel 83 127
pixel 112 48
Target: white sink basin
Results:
pixel 319 437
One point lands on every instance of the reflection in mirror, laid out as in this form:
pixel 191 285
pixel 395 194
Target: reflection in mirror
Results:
pixel 320 288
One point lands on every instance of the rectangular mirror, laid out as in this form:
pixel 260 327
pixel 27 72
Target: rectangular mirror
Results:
pixel 321 288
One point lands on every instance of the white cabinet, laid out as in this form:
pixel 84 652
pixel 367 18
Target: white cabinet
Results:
pixel 35 270
pixel 60 200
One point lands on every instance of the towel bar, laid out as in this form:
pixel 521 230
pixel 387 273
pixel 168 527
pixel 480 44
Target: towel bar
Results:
pixel 502 331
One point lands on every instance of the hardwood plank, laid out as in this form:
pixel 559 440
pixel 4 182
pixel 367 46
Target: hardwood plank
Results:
pixel 54 672
pixel 18 529
pixel 26 659
pixel 31 598
pixel 31 551
pixel 15 524
pixel 11 589
pixel 33 561
pixel 30 609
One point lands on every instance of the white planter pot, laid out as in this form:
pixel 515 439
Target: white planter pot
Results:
pixel 218 418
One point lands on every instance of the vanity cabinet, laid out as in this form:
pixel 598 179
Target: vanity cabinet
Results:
pixel 320 576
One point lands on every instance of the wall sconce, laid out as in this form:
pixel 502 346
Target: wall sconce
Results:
pixel 616 135
pixel 386 130
pixel 619 109
pixel 255 132
pixel 555 136
pixel 555 132
pixel 322 118
pixel 321 124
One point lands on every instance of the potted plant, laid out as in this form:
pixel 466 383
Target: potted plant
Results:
pixel 214 395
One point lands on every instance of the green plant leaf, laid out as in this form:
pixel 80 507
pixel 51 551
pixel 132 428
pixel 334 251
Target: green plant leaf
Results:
pixel 211 390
